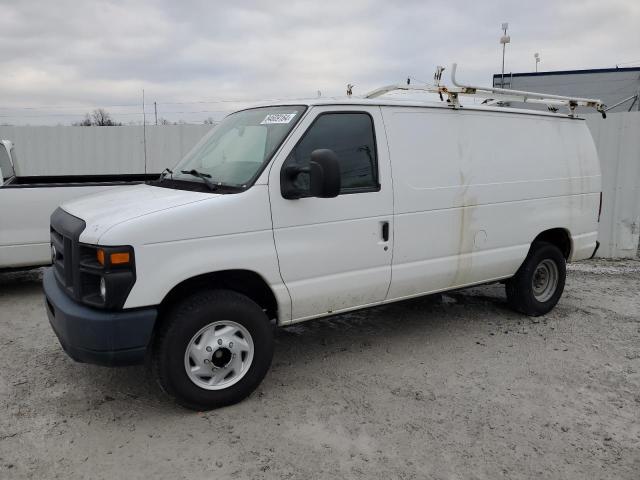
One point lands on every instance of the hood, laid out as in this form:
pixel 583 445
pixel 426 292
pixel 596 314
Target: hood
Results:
pixel 101 211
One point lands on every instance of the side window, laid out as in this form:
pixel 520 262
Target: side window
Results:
pixel 351 137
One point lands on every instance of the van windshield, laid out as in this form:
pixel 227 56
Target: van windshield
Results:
pixel 234 153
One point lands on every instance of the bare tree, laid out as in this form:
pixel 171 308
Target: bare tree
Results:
pixel 99 118
pixel 85 122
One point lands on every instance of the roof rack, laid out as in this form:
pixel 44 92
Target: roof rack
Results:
pixel 493 95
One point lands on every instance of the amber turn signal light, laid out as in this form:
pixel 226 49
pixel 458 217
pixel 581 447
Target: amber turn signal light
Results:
pixel 120 258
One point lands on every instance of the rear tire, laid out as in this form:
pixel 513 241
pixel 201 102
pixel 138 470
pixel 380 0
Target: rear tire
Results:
pixel 213 349
pixel 539 282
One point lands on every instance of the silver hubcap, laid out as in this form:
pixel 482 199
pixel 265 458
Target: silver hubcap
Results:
pixel 219 355
pixel 545 280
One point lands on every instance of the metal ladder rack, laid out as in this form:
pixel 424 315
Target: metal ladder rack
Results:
pixel 493 95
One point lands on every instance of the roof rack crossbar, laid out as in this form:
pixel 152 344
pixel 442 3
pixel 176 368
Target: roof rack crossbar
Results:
pixel 494 94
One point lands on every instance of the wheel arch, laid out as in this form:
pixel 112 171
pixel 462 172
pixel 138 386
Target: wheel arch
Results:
pixel 560 237
pixel 246 282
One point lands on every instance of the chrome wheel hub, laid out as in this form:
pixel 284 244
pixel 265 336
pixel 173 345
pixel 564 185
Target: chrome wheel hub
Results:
pixel 219 355
pixel 545 280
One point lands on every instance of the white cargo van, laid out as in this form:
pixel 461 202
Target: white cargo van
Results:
pixel 296 211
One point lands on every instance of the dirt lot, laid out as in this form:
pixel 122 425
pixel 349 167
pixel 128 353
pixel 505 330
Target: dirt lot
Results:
pixel 451 386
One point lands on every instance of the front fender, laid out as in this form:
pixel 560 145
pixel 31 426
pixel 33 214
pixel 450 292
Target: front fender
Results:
pixel 160 267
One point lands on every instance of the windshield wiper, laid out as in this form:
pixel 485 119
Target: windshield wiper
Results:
pixel 212 184
pixel 204 176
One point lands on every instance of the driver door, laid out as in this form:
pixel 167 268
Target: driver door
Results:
pixel 335 253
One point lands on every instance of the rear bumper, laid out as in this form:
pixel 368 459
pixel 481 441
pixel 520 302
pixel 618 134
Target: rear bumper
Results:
pixel 94 336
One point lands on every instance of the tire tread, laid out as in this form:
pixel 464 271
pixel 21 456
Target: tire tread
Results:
pixel 518 288
pixel 187 312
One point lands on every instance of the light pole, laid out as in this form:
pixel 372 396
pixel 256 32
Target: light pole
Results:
pixel 504 39
pixel 537 57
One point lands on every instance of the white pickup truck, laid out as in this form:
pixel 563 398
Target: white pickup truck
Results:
pixel 26 204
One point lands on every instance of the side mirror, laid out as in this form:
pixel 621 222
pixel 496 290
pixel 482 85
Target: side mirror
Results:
pixel 324 176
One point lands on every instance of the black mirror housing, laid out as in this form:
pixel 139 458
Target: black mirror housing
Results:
pixel 324 174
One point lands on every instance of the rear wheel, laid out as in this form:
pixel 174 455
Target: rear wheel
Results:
pixel 213 349
pixel 539 282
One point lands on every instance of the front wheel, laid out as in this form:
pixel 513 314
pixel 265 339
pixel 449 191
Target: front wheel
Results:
pixel 539 282
pixel 213 349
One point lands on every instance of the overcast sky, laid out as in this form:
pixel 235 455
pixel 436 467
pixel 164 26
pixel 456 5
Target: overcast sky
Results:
pixel 59 59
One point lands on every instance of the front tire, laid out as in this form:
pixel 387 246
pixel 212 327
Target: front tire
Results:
pixel 539 282
pixel 213 349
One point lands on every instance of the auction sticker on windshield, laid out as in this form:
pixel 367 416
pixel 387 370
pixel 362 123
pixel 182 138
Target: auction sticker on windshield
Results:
pixel 277 118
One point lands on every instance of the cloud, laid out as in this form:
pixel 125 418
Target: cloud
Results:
pixel 70 56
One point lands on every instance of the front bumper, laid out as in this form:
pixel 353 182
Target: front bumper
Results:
pixel 94 336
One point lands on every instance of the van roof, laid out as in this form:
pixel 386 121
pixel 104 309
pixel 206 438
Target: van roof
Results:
pixel 396 102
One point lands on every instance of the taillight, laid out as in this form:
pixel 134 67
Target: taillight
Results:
pixel 600 207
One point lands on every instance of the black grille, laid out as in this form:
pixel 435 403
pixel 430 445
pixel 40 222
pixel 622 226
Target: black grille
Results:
pixel 65 235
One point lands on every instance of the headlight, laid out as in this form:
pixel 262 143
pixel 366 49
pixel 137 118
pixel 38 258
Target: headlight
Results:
pixel 107 275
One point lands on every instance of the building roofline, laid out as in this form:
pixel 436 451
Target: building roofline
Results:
pixel 568 72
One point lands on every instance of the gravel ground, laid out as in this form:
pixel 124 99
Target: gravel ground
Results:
pixel 451 386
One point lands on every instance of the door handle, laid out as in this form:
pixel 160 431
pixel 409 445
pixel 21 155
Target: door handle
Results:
pixel 385 231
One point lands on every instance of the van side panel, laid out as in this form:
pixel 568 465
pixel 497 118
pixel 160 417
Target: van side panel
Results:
pixel 472 189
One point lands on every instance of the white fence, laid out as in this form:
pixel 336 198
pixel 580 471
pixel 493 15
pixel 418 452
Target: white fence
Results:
pixel 99 150
pixel 618 140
